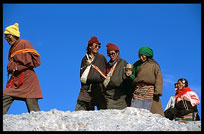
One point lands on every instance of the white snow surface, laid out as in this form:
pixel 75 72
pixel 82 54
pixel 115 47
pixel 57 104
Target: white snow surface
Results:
pixel 128 119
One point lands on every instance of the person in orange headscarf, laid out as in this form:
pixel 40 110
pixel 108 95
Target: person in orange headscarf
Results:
pixel 23 84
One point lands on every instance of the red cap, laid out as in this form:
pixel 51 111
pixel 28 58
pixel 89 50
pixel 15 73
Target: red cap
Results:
pixel 111 47
pixel 93 40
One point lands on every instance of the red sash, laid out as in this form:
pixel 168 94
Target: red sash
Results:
pixel 10 83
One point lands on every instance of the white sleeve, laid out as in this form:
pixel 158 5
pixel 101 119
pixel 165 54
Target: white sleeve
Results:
pixel 194 99
pixel 170 103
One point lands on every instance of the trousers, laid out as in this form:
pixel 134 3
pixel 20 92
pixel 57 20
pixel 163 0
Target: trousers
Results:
pixel 145 104
pixel 82 105
pixel 31 103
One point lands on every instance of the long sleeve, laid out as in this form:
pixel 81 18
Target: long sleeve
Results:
pixel 24 82
pixel 171 103
pixel 24 57
pixel 27 60
pixel 158 80
pixel 194 99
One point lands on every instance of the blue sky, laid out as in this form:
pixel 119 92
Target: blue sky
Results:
pixel 60 33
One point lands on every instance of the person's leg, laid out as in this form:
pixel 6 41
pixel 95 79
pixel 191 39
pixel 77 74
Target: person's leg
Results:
pixel 144 104
pixel 32 104
pixel 170 113
pixel 82 105
pixel 137 103
pixel 101 103
pixel 147 104
pixel 7 101
pixel 197 117
pixel 79 106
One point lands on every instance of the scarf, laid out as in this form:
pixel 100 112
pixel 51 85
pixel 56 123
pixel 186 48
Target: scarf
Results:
pixel 110 65
pixel 182 92
pixel 135 69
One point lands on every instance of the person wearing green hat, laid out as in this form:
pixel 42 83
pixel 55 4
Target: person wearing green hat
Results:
pixel 147 82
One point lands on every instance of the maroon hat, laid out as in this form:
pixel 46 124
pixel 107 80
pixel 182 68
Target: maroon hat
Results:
pixel 93 40
pixel 111 47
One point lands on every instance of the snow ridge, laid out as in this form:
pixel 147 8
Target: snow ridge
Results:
pixel 128 119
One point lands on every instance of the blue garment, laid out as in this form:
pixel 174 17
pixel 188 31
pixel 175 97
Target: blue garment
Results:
pixel 145 104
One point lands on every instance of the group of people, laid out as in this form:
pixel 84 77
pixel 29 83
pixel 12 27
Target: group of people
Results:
pixel 112 84
pixel 115 84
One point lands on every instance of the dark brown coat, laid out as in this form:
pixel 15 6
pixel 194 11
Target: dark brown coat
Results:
pixel 118 91
pixel 93 78
pixel 24 62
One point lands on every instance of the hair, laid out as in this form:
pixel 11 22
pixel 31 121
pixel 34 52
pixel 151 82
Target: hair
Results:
pixel 184 81
pixel 116 51
pixel 15 37
pixel 88 49
pixel 149 57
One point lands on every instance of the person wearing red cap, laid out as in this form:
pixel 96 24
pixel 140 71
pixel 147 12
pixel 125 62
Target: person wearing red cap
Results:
pixel 92 91
pixel 116 83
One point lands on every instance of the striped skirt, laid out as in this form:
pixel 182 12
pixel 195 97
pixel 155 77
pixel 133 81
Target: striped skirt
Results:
pixel 143 92
pixel 186 118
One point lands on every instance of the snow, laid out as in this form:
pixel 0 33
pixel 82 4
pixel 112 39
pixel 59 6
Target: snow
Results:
pixel 128 119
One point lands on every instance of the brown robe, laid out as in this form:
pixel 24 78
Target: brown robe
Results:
pixel 93 78
pixel 150 73
pixel 22 59
pixel 118 91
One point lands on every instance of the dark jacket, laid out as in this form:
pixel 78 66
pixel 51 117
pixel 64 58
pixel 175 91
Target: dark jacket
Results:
pixel 93 78
pixel 118 91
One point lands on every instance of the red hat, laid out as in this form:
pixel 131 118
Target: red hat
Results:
pixel 93 40
pixel 111 47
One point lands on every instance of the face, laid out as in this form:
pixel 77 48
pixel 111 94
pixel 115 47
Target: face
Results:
pixel 180 85
pixel 176 86
pixel 113 55
pixel 94 47
pixel 10 39
pixel 143 58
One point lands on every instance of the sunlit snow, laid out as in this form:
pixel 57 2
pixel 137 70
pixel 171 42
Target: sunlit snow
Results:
pixel 128 119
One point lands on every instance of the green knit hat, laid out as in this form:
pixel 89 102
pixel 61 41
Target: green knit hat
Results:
pixel 146 51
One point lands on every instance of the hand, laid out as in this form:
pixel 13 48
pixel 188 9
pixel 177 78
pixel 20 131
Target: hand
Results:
pixel 128 73
pixel 99 71
pixel 156 97
pixel 185 98
pixel 88 62
pixel 11 66
pixel 95 67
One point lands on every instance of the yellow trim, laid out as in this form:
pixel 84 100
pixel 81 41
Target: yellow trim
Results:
pixel 24 51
